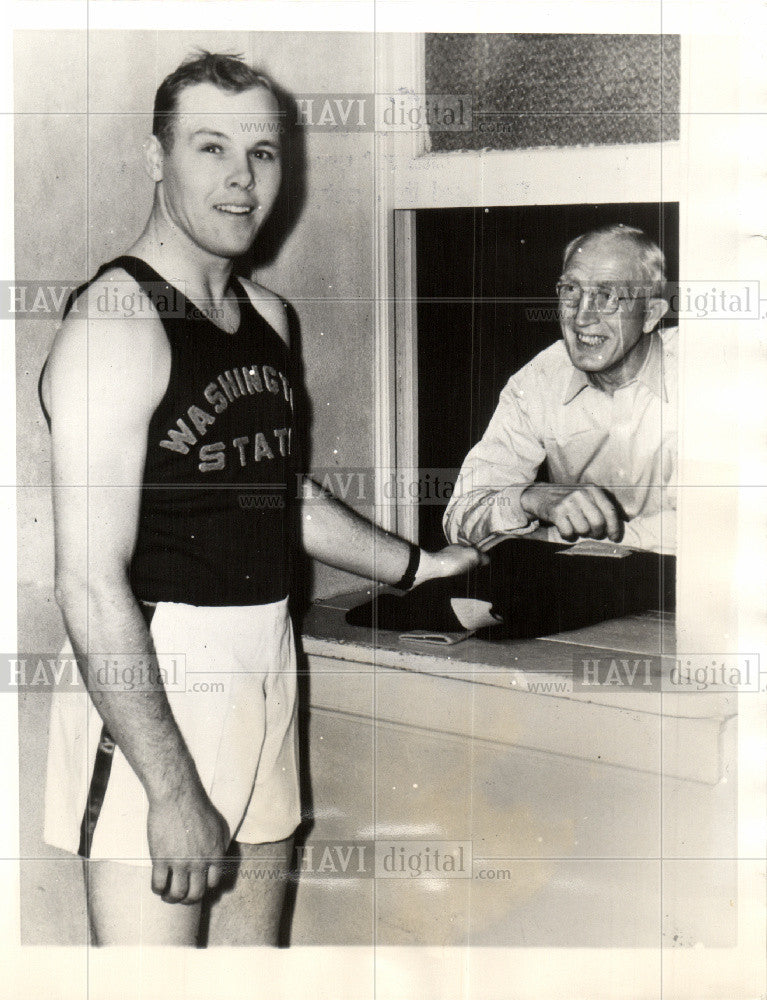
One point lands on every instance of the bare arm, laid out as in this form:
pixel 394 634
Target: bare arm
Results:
pixel 334 533
pixel 102 384
pixel 337 535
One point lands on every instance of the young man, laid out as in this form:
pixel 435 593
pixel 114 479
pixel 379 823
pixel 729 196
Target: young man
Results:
pixel 172 432
pixel 598 407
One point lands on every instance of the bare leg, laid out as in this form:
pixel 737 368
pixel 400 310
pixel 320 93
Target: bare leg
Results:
pixel 248 910
pixel 123 910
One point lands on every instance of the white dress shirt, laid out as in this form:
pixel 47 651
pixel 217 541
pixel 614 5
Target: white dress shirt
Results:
pixel 549 410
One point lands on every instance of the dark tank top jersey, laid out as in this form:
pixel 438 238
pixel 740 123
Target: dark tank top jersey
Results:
pixel 214 519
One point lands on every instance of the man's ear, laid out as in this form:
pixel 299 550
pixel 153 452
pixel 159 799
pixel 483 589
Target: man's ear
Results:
pixel 154 158
pixel 654 313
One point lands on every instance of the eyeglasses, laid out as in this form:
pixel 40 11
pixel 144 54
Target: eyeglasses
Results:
pixel 605 299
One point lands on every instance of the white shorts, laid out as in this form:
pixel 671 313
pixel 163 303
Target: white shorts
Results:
pixel 236 712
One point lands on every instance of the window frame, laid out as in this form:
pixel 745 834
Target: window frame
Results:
pixel 410 177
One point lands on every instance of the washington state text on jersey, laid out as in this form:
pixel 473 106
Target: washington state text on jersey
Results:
pixel 229 386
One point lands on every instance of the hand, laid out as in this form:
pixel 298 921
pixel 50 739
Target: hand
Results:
pixel 582 511
pixel 450 561
pixel 188 839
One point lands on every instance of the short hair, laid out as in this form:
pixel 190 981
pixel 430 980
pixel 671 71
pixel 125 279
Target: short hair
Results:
pixel 229 72
pixel 651 257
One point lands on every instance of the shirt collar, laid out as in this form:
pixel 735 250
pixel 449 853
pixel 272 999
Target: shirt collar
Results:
pixel 651 374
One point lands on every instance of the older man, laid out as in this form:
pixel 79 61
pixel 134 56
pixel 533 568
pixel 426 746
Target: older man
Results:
pixel 598 407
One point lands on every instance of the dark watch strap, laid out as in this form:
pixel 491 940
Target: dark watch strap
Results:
pixel 407 579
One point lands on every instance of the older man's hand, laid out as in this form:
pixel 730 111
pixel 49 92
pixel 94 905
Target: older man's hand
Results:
pixel 582 511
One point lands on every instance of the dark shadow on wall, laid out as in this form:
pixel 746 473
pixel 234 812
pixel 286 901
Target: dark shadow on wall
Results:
pixel 291 196
pixel 288 207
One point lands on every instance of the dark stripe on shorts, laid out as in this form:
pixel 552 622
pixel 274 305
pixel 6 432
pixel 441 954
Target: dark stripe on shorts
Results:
pixel 102 767
pixel 99 781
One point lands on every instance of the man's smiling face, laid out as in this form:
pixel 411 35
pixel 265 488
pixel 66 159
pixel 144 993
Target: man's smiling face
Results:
pixel 221 175
pixel 597 341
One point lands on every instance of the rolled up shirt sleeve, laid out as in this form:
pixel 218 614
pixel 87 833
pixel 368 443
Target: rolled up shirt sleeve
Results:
pixel 497 470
